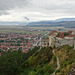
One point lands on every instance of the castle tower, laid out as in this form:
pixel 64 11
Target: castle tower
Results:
pixel 52 36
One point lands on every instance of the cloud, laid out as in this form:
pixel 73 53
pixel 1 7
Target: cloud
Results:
pixel 11 4
pixel 54 5
pixel 4 12
pixel 35 10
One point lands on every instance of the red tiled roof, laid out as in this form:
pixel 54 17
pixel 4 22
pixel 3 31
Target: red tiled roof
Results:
pixel 70 36
pixel 3 46
pixel 69 32
pixel 2 38
pixel 25 51
pixel 52 32
pixel 61 35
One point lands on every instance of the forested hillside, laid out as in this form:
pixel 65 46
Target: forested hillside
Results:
pixel 42 62
pixel 10 61
pixel 35 62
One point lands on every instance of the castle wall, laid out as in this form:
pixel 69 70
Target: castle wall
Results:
pixel 45 42
pixel 70 42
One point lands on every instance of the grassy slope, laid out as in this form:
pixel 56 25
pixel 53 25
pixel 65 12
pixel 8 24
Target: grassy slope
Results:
pixel 66 55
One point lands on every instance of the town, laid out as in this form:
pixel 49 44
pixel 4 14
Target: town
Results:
pixel 16 41
pixel 23 41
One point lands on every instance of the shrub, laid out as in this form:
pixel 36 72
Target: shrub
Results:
pixel 54 58
pixel 58 70
pixel 70 67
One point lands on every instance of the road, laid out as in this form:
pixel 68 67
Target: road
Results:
pixel 58 64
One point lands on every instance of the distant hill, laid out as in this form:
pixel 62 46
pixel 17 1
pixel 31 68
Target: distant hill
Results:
pixel 65 19
pixel 62 22
pixel 12 23
pixel 66 24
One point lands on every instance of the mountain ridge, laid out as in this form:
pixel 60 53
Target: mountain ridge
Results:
pixel 62 22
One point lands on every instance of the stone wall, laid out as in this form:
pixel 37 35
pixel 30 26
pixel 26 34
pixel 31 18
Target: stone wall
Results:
pixel 64 42
pixel 45 42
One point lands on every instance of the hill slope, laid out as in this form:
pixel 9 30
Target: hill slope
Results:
pixel 66 55
pixel 40 63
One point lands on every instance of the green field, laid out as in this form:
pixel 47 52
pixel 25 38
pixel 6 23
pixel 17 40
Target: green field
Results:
pixel 18 29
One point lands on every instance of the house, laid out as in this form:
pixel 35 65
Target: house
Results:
pixel 25 51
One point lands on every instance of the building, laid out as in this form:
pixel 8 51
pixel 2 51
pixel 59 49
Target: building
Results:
pixel 70 37
pixel 44 42
pixel 59 39
pixel 52 36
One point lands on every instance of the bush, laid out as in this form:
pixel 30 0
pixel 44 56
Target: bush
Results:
pixel 54 58
pixel 64 65
pixel 70 67
pixel 58 70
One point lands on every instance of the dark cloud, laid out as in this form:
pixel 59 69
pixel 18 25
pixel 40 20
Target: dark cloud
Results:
pixel 50 5
pixel 8 4
pixel 11 4
pixel 61 6
pixel 4 12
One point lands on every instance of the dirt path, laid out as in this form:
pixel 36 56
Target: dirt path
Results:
pixel 58 64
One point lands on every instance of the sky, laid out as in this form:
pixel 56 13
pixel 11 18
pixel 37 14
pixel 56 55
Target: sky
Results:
pixel 36 10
